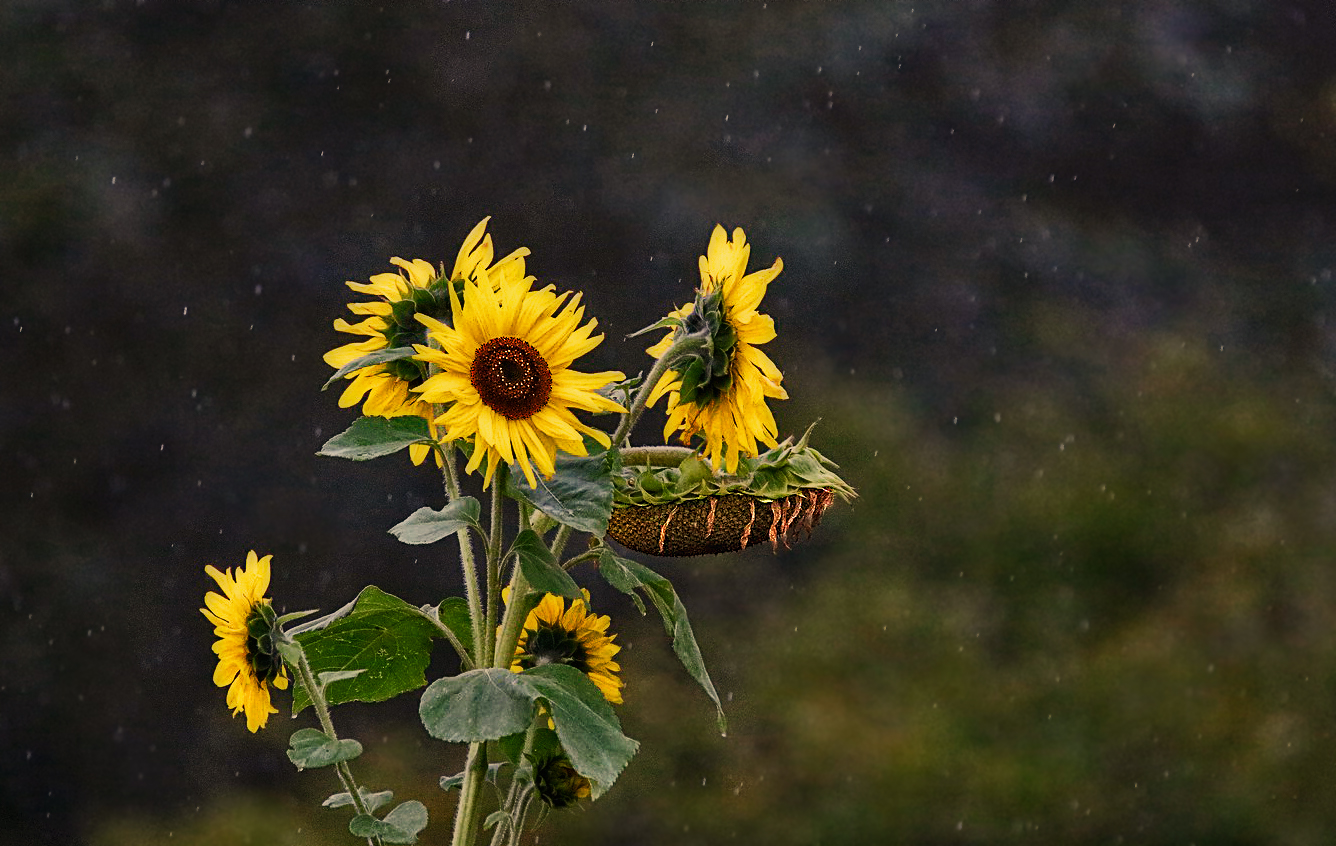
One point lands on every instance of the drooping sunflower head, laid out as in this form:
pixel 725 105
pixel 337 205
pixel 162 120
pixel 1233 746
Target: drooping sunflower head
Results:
pixel 557 782
pixel 247 648
pixel 505 374
pixel 389 322
pixel 555 634
pixel 720 391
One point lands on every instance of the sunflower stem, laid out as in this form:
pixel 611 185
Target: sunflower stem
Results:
pixel 466 814
pixel 681 345
pixel 515 795
pixel 450 473
pixel 587 555
pixel 494 560
pixel 656 456
pixel 559 541
pixel 317 694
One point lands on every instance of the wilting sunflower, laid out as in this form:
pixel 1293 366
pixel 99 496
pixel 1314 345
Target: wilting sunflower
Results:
pixel 505 373
pixel 248 659
pixel 555 634
pixel 721 394
pixel 384 389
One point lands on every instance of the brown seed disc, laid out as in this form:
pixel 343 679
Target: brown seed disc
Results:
pixel 719 523
pixel 511 377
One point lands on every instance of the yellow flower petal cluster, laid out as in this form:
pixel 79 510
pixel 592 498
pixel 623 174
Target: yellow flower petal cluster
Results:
pixel 505 374
pixel 388 322
pixel 231 613
pixel 555 634
pixel 735 420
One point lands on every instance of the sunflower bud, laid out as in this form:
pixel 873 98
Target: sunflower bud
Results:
pixel 557 782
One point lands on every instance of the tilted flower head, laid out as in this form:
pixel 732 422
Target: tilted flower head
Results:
pixel 505 373
pixel 555 634
pixel 390 323
pixel 721 394
pixel 557 782
pixel 248 659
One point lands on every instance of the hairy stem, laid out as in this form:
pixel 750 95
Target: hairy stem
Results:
pixel 656 456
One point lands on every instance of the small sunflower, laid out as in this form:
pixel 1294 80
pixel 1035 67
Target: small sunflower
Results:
pixel 248 659
pixel 557 781
pixel 384 389
pixel 722 395
pixel 505 373
pixel 555 634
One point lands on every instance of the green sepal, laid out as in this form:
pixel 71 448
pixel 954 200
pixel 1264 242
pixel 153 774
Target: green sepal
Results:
pixel 400 826
pixel 779 472
pixel 427 525
pixel 383 636
pixel 377 357
pixel 629 576
pixel 578 495
pixel 311 748
pixel 373 437
pixel 540 568
pixel 371 801
pixel 585 723
pixel 291 616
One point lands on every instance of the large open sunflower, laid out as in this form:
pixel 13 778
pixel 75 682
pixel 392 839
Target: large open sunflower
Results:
pixel 505 374
pixel 390 322
pixel 723 397
pixel 555 634
pixel 243 620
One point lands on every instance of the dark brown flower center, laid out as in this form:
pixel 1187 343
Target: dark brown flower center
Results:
pixel 511 377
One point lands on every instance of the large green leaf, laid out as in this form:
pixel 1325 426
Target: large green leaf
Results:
pixel 477 705
pixel 585 722
pixel 453 612
pixel 369 360
pixel 579 495
pixel 399 826
pixel 385 637
pixel 540 568
pixel 310 748
pixel 628 576
pixel 427 525
pixel 372 437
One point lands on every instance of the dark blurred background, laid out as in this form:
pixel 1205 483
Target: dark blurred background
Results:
pixel 1057 282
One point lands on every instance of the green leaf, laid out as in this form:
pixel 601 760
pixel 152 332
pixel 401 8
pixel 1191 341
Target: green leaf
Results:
pixel 477 705
pixel 627 576
pixel 368 360
pixel 399 826
pixel 370 800
pixel 585 723
pixel 453 612
pixel 540 568
pixel 427 525
pixel 456 781
pixel 322 622
pixel 311 748
pixel 494 819
pixel 383 636
pixel 579 495
pixel 372 437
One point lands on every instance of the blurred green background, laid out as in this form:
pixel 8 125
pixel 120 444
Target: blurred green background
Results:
pixel 1057 283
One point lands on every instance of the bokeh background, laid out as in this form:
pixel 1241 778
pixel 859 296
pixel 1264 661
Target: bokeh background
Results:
pixel 1057 282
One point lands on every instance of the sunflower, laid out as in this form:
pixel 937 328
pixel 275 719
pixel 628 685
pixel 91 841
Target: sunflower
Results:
pixel 555 634
pixel 505 373
pixel 243 620
pixel 722 394
pixel 557 781
pixel 384 389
